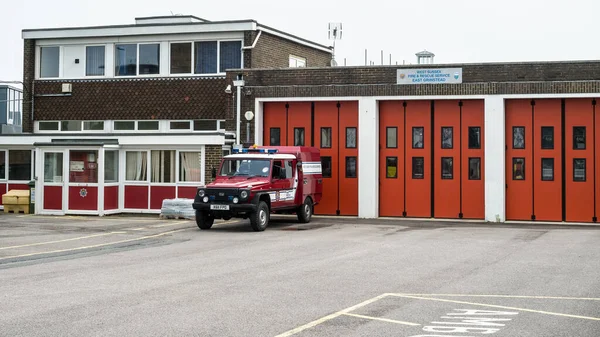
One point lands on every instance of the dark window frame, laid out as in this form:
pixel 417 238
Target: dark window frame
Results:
pixel 479 175
pixel 524 136
pixel 387 144
pixel 451 159
pixel 323 172
pixel 478 137
pixel 551 128
pixel 387 176
pixel 329 129
pixel 355 137
pixel 355 166
pixel 584 170
pixel 278 136
pixel 542 169
pixel 514 161
pixel 584 138
pixel 303 136
pixel 442 137
pixel 413 161
pixel 414 128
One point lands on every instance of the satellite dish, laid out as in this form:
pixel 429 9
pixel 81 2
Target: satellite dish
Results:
pixel 249 115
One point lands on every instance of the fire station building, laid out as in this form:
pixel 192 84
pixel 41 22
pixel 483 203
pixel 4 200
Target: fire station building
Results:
pixel 495 142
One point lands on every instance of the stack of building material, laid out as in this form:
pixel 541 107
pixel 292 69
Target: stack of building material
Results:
pixel 177 209
pixel 16 201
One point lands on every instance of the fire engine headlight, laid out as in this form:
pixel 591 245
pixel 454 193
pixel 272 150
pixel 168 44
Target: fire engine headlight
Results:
pixel 205 199
pixel 235 200
pixel 244 194
pixel 201 193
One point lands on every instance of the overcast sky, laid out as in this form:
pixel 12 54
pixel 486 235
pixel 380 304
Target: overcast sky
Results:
pixel 456 31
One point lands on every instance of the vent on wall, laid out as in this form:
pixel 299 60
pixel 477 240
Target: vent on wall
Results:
pixel 67 87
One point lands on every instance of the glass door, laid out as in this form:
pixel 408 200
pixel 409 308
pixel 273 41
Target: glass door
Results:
pixel 54 182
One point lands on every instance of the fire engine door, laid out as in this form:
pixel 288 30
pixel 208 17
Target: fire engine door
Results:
pixel 283 182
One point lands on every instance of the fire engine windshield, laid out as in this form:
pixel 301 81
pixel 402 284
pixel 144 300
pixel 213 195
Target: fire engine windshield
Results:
pixel 246 167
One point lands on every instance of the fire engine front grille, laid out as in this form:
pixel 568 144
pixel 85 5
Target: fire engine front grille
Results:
pixel 223 195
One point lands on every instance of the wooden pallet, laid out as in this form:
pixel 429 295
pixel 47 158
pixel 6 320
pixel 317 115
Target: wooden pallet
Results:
pixel 16 209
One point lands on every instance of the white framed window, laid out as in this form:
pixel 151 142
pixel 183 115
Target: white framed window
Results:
pixel 53 167
pixel 190 166
pixel 137 59
pixel 124 125
pixel 93 125
pixel 2 165
pixel 297 61
pixel 70 126
pixel 95 60
pixel 136 166
pixel 148 125
pixel 204 57
pixel 48 126
pixel 162 168
pixel 111 166
pixel 49 62
pixel 179 125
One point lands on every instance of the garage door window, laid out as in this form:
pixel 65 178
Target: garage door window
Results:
pixel 518 168
pixel 579 138
pixel 391 167
pixel 350 167
pixel 298 136
pixel 274 135
pixel 418 167
pixel 326 165
pixel 326 138
pixel 447 169
pixel 391 139
pixel 474 168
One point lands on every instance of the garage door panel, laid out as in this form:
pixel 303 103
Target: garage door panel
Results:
pixel 348 178
pixel 418 158
pixel 299 124
pixel 473 160
pixel 274 124
pixel 447 164
pixel 391 158
pixel 326 138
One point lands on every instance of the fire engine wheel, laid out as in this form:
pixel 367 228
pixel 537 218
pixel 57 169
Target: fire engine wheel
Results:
pixel 305 211
pixel 204 220
pixel 260 219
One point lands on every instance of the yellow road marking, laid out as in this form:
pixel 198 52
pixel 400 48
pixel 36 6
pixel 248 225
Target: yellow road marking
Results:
pixel 507 296
pixel 170 224
pixel 57 241
pixel 382 319
pixel 93 246
pixel 329 317
pixel 498 306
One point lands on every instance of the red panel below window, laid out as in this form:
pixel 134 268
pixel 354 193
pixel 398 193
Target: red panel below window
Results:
pixel 2 191
pixel 83 198
pixel 53 198
pixel 136 197
pixel 18 187
pixel 187 192
pixel 111 197
pixel 159 193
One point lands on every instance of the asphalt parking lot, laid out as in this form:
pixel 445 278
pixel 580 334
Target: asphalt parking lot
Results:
pixel 144 276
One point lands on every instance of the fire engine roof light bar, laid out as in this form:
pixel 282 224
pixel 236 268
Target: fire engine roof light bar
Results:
pixel 246 150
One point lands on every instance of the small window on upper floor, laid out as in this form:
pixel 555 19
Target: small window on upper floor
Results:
pixel 149 61
pixel 230 55
pixel 94 60
pixel 297 61
pixel 49 62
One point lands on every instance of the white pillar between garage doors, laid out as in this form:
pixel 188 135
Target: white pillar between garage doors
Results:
pixel 368 158
pixel 495 159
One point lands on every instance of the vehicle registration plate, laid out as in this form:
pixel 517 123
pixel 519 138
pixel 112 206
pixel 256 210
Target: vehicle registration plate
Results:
pixel 220 207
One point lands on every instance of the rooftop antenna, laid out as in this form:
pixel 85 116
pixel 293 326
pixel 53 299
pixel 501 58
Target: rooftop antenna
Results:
pixel 335 33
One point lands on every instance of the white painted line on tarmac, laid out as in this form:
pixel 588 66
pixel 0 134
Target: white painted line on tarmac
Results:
pixel 382 319
pixel 170 224
pixel 93 246
pixel 330 317
pixel 57 241
pixel 498 306
pixel 504 296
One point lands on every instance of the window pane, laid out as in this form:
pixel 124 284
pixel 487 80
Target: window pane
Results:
pixel 474 137
pixel 447 168
pixel 149 59
pixel 231 55
pixel 135 165
pixel 93 125
pixel 2 165
pixel 205 125
pixel 181 58
pixel 547 137
pixel 94 60
pixel 579 137
pixel 111 166
pixel 48 126
pixel 190 166
pixel 518 137
pixel 350 167
pixel 49 61
pixel 418 167
pixel 274 135
pixel 579 172
pixel 474 168
pixel 418 137
pixel 83 166
pixel 148 125
pixel 19 165
pixel 326 137
pixel 71 125
pixel 447 138
pixel 391 165
pixel 205 58
pixel 351 138
pixel 391 140
pixel 125 59
pixel 53 167
pixel 547 169
pixel 163 166
pixel 326 167
pixel 124 125
pixel 518 168
pixel 180 125
pixel 298 136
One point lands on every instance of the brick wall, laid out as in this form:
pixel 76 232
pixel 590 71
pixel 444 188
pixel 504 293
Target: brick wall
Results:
pixel 212 159
pixel 28 76
pixel 273 52
pixel 118 99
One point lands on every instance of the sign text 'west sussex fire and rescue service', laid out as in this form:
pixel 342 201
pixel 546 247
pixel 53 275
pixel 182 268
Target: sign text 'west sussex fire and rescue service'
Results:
pixel 429 76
